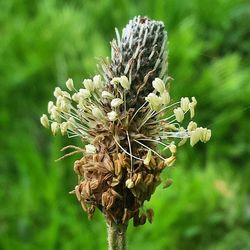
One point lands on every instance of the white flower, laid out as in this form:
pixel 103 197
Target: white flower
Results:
pixel 88 84
pixel 70 84
pixel 165 97
pixel 158 85
pixel 107 95
pixel 54 127
pixel 154 101
pixel 90 149
pixel 112 116
pixel 116 102
pixel 44 121
pixel 185 104
pixel 97 81
pixel 125 82
pixel 179 115
pixel 148 158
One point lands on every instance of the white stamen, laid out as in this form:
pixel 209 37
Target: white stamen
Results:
pixel 70 84
pixel 44 121
pixel 158 85
pixel 90 149
pixel 116 102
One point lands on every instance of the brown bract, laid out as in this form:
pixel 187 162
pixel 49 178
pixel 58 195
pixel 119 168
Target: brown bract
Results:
pixel 102 181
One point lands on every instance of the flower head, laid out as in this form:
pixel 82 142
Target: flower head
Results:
pixel 122 116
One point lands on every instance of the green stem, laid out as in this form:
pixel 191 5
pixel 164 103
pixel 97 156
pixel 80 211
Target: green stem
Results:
pixel 117 237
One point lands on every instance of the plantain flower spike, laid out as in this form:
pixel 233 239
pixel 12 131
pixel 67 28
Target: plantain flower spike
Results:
pixel 122 116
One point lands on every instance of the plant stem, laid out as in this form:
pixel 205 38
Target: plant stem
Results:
pixel 121 237
pixel 116 236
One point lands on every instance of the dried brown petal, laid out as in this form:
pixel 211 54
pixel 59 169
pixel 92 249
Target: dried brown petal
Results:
pixel 118 168
pixel 138 178
pixel 84 207
pixel 126 216
pixel 114 182
pixel 149 179
pixel 136 219
pixel 77 192
pixel 150 215
pixel 143 219
pixel 94 183
pixel 168 183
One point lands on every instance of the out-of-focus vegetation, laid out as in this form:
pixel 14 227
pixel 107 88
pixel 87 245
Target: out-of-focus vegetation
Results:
pixel 44 42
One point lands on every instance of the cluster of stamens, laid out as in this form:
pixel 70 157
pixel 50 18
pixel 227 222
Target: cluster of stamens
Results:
pixel 124 151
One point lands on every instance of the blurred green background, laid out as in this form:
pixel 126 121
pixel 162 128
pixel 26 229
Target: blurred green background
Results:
pixel 44 42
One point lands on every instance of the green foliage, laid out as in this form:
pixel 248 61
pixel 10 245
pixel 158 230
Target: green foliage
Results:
pixel 45 42
pixel 195 213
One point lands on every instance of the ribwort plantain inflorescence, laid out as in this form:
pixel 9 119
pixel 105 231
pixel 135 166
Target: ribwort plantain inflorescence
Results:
pixel 123 117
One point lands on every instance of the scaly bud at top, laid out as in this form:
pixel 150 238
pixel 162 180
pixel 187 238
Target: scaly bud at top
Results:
pixel 138 53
